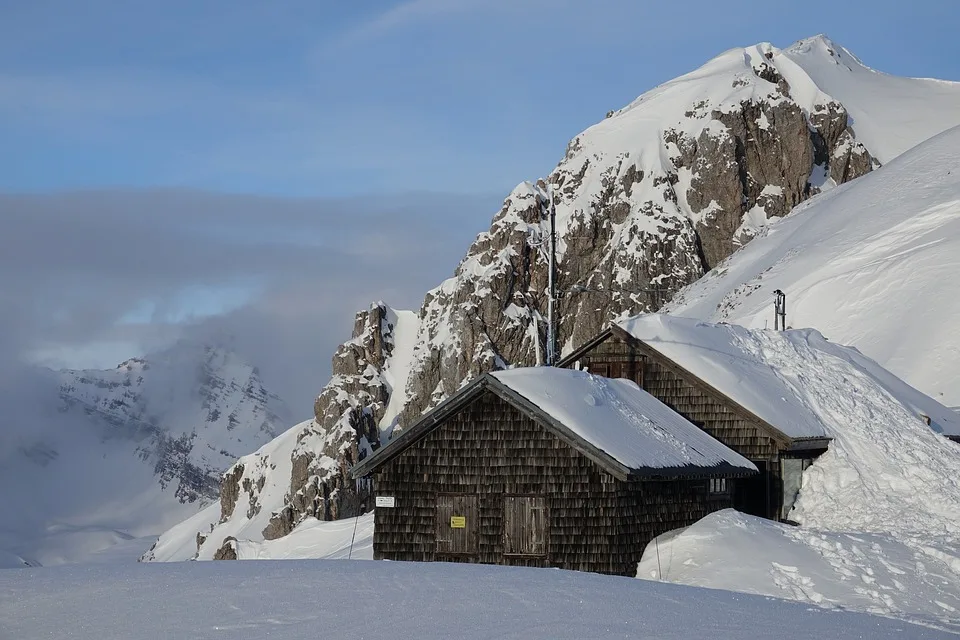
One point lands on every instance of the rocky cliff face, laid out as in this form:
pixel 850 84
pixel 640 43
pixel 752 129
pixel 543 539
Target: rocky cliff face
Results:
pixel 303 472
pixel 192 410
pixel 647 201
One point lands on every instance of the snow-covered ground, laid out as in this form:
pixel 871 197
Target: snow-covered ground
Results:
pixel 872 264
pixel 874 572
pixel 311 539
pixel 339 599
pixel 351 538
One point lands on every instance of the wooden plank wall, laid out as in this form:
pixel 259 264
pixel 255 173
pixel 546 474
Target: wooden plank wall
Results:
pixel 492 450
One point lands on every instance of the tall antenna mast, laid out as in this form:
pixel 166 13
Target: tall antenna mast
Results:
pixel 552 283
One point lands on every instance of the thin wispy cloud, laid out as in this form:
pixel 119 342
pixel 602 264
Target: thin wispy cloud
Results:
pixel 411 13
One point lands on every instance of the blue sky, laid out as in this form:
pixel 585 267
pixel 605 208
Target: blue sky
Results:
pixel 361 145
pixel 331 98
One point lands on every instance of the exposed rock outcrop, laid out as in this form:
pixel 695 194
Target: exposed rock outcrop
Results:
pixel 228 551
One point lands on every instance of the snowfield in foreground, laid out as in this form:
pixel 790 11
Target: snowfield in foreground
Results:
pixel 855 571
pixel 331 599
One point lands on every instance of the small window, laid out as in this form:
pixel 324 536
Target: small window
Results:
pixel 718 485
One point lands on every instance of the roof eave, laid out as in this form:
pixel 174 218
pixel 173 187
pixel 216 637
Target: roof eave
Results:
pixel 724 470
pixel 593 342
pixel 808 444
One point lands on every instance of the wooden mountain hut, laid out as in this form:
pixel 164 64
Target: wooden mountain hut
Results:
pixel 699 370
pixel 545 467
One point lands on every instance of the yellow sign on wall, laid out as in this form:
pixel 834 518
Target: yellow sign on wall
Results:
pixel 458 522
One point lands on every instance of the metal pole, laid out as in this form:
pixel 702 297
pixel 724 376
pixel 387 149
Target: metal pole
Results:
pixel 780 311
pixel 776 310
pixel 552 284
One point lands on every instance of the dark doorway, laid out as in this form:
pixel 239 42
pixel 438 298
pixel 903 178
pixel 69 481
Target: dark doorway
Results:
pixel 752 493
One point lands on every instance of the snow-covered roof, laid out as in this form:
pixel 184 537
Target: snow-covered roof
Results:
pixel 613 422
pixel 781 377
pixel 620 419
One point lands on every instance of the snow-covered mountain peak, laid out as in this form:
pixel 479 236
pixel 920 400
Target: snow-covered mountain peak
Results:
pixel 820 45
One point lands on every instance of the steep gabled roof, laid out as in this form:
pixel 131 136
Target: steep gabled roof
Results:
pixel 774 375
pixel 618 331
pixel 622 428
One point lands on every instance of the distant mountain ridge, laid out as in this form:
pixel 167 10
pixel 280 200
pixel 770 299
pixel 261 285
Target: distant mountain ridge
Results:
pixel 129 451
pixel 193 410
pixel 648 201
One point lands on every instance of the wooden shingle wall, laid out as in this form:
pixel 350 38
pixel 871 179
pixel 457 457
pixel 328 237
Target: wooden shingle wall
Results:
pixel 491 450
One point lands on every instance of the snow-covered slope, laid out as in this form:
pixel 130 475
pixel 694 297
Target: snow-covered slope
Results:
pixel 107 459
pixel 301 475
pixel 873 264
pixel 311 539
pixel 386 600
pixel 255 480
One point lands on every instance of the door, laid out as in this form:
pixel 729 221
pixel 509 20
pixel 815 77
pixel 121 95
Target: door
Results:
pixel 456 524
pixel 525 526
pixel 791 476
pixel 752 494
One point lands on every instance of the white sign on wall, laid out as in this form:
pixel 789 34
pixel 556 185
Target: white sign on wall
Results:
pixel 386 501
